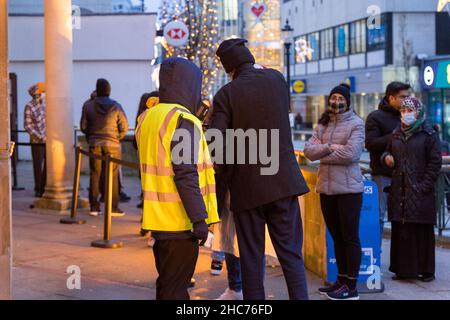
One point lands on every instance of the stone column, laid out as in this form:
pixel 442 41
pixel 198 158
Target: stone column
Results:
pixel 59 114
pixel 5 164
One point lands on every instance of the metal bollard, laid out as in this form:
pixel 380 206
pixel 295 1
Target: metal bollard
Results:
pixel 76 186
pixel 107 242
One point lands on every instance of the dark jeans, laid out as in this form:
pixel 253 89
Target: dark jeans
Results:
pixel 175 262
pixel 342 214
pixel 285 228
pixel 39 169
pixel 234 272
pixel 95 181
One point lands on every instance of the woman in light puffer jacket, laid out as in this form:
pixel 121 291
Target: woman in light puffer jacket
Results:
pixel 338 142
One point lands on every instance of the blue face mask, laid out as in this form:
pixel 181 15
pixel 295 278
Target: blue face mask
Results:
pixel 408 118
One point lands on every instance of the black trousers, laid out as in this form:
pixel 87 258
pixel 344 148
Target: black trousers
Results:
pixel 285 229
pixel 342 214
pixel 39 169
pixel 95 181
pixel 175 262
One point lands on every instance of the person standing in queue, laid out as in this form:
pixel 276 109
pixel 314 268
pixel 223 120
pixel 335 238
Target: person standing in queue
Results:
pixel 105 125
pixel 380 125
pixel 414 154
pixel 338 141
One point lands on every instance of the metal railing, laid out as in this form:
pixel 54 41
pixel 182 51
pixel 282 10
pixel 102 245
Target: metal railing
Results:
pixel 15 158
pixel 106 242
pixel 442 188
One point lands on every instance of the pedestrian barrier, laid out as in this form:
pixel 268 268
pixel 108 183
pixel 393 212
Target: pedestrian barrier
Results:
pixel 15 158
pixel 106 242
pixel 442 198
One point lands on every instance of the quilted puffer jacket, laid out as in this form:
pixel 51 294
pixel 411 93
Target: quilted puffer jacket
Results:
pixel 418 162
pixel 339 171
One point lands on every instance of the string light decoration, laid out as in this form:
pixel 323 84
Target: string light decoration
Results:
pixel 201 18
pixel 264 32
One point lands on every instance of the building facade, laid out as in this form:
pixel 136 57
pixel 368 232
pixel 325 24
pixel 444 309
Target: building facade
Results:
pixel 435 76
pixel 123 55
pixel 262 28
pixel 258 21
pixel 366 43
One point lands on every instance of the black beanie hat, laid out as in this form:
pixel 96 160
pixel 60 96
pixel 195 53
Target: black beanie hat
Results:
pixel 103 88
pixel 233 53
pixel 343 89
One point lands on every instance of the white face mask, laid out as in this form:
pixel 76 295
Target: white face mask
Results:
pixel 408 118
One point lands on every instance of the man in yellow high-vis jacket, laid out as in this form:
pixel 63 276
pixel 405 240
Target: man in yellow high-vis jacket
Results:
pixel 177 178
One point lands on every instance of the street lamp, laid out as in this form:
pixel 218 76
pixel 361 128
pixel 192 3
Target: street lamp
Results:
pixel 287 32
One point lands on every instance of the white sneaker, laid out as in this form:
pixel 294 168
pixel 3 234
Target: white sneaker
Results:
pixel 117 214
pixel 95 213
pixel 231 295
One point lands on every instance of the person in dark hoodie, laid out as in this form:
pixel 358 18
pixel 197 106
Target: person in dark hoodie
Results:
pixel 380 125
pixel 177 177
pixel 105 124
pixel 258 99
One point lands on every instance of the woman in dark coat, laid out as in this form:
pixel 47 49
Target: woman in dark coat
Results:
pixel 414 154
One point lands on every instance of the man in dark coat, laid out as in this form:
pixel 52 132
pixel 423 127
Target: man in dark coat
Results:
pixel 105 124
pixel 257 99
pixel 379 127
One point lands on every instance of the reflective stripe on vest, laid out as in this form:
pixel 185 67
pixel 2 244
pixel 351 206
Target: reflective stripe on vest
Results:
pixel 163 208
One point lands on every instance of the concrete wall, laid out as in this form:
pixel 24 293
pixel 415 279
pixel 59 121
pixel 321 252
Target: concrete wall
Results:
pixel 99 6
pixel 117 47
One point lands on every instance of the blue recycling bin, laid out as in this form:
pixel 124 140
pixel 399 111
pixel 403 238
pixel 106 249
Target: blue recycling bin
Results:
pixel 369 231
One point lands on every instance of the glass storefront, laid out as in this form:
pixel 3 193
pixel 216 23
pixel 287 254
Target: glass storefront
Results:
pixel 436 83
pixel 363 104
pixel 438 110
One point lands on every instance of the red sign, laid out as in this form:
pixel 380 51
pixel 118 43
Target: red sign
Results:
pixel 176 33
pixel 259 9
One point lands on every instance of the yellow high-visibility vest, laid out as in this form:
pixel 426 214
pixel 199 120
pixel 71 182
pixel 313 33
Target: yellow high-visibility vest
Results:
pixel 163 208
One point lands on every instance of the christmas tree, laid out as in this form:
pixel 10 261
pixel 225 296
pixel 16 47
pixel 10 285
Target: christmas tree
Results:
pixel 201 19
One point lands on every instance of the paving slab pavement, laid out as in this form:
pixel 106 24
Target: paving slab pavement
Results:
pixel 44 249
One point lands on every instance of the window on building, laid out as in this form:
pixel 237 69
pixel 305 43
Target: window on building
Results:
pixel 376 36
pixel 358 37
pixel 341 43
pixel 327 43
pixel 314 45
pixel 301 49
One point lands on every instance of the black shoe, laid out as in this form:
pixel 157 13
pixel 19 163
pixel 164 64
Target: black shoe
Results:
pixel 124 197
pixel 343 293
pixel 398 278
pixel 333 287
pixel 140 205
pixel 427 277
